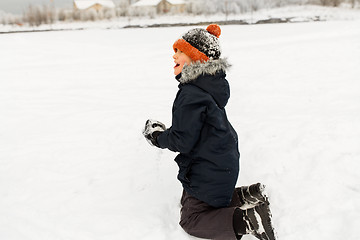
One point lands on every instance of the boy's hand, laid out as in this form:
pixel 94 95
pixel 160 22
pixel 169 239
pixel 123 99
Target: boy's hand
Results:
pixel 152 130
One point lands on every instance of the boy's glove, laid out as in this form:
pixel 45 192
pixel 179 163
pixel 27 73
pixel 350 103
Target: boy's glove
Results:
pixel 152 130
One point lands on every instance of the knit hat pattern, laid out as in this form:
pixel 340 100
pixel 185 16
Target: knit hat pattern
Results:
pixel 200 44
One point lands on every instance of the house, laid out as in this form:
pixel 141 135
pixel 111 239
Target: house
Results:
pixel 159 6
pixel 93 4
pixel 173 6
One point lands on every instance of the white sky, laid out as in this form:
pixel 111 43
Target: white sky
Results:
pixel 18 6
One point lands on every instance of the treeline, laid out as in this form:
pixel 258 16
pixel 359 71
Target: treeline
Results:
pixel 243 6
pixel 45 14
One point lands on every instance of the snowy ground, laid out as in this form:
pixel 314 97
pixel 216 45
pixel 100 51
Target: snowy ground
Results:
pixel 74 164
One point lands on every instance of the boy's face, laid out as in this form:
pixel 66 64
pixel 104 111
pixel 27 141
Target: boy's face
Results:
pixel 180 60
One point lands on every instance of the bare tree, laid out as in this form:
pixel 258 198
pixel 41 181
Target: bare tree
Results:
pixel 38 15
pixel 354 3
pixel 9 19
pixel 334 3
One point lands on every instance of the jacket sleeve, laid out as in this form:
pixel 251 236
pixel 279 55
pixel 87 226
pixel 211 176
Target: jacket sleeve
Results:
pixel 189 112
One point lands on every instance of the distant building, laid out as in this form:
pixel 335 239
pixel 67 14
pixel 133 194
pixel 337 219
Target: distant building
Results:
pixel 159 6
pixel 93 4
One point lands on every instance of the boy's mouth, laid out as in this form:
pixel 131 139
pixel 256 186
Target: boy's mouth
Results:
pixel 176 65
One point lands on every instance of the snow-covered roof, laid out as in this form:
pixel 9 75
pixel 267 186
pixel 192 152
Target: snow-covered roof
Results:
pixel 176 1
pixel 143 3
pixel 84 4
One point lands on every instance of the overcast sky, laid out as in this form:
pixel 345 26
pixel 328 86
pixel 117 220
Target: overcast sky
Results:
pixel 18 6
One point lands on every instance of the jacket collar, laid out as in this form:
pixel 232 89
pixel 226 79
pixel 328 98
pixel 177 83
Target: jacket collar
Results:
pixel 194 70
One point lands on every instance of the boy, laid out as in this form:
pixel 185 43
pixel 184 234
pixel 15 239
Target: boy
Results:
pixel 208 157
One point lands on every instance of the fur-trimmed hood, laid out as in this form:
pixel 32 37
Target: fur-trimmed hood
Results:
pixel 194 70
pixel 210 77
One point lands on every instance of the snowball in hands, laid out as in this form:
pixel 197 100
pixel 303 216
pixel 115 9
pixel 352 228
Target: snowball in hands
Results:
pixel 152 130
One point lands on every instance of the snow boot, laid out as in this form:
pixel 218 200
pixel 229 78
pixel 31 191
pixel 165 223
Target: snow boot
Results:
pixel 251 196
pixel 258 222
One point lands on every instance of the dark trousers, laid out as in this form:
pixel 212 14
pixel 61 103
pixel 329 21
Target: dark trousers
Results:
pixel 204 221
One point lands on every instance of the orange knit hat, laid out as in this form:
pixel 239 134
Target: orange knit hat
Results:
pixel 200 44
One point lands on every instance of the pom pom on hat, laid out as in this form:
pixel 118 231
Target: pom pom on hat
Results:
pixel 214 29
pixel 200 44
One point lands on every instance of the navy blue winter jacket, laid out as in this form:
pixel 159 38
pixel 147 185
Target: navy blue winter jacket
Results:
pixel 208 156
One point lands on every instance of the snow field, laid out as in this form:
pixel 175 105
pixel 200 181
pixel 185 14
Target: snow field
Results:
pixel 73 162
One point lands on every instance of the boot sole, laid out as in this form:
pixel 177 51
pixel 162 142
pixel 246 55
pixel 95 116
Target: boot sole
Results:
pixel 267 231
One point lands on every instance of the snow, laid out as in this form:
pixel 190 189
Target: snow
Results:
pixel 74 164
pixel 176 2
pixel 142 3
